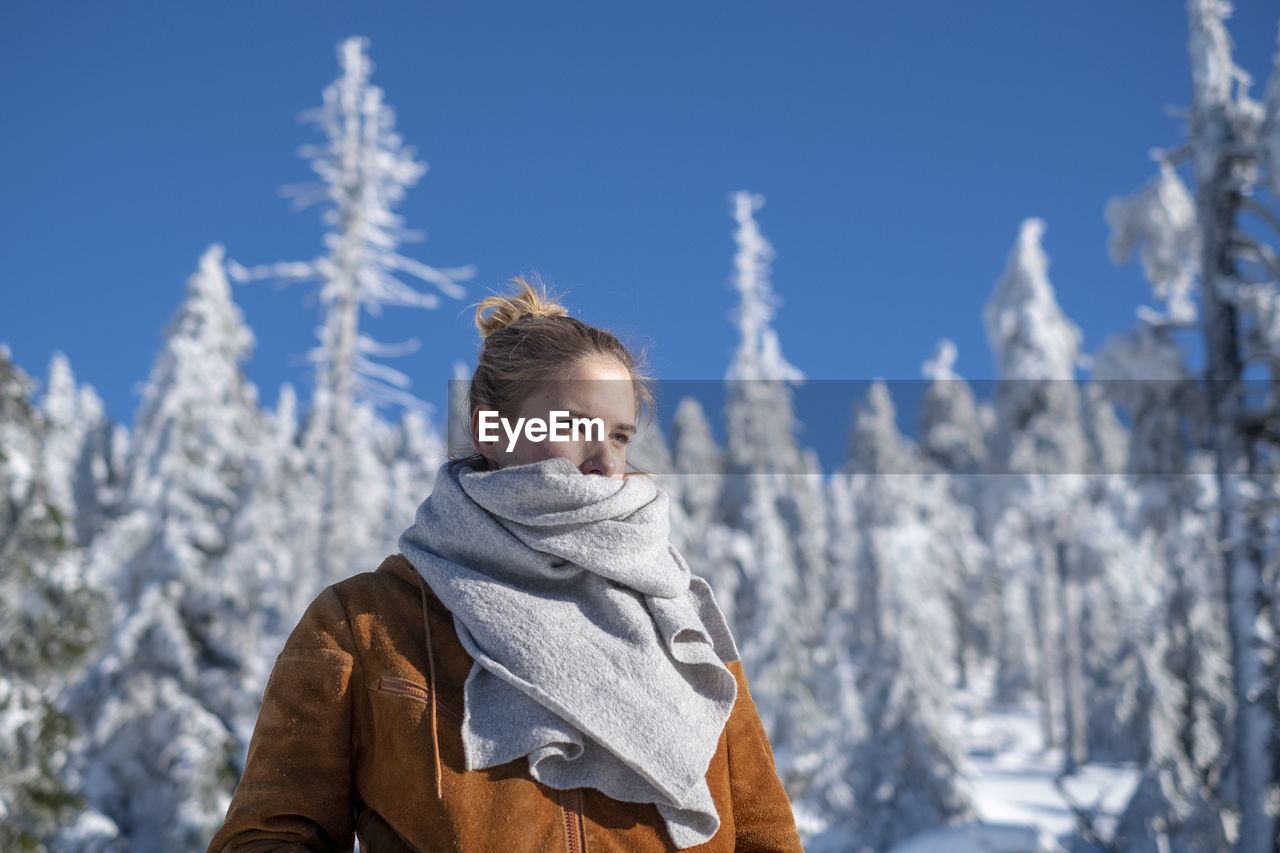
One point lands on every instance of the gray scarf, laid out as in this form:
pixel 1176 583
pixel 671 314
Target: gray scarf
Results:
pixel 599 655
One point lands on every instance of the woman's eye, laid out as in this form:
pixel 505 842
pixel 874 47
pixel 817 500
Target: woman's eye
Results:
pixel 621 438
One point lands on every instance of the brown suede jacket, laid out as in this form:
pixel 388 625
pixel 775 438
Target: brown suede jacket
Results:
pixel 360 734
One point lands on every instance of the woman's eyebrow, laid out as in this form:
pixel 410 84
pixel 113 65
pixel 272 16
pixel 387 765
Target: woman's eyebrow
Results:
pixel 574 413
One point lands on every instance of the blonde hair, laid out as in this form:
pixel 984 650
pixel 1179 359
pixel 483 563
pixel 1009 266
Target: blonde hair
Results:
pixel 509 309
pixel 530 337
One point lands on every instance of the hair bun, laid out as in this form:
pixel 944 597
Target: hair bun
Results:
pixel 507 310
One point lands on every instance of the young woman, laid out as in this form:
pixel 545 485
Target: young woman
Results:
pixel 538 670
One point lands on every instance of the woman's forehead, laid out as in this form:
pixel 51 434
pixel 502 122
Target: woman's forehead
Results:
pixel 609 395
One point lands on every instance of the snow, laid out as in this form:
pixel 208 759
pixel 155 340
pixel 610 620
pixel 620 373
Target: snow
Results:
pixel 1012 777
pixel 759 355
pixel 1162 217
pixel 981 837
pixel 1013 781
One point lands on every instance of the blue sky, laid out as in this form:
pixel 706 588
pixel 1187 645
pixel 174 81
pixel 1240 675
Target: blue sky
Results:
pixel 898 147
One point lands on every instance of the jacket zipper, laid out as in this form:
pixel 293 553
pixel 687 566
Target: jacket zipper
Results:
pixel 401 687
pixel 391 684
pixel 571 800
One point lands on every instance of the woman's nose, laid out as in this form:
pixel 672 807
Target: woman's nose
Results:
pixel 598 461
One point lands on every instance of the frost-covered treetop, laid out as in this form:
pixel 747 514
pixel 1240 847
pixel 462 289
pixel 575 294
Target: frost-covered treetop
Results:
pixel 876 446
pixel 364 169
pixel 59 401
pixel 1220 117
pixel 1028 332
pixel 942 365
pixel 950 427
pixel 693 445
pixel 71 412
pixel 759 355
pixel 1212 68
pixel 196 402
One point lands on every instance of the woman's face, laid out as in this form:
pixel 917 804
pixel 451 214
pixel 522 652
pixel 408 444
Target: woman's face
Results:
pixel 594 388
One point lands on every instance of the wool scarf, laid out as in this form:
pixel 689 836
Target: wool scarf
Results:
pixel 598 654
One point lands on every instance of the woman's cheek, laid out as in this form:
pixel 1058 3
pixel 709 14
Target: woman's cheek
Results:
pixel 535 451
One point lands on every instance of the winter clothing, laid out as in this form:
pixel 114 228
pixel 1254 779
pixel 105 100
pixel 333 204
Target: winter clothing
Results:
pixel 361 733
pixel 556 583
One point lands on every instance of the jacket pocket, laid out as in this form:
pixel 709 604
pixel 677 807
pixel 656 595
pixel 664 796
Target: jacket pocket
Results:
pixel 401 687
pixel 378 836
pixel 397 686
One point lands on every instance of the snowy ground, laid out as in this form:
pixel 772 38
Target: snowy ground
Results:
pixel 1011 781
pixel 1011 778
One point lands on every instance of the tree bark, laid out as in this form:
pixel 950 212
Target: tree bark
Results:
pixel 1076 751
pixel 1218 206
pixel 1049 642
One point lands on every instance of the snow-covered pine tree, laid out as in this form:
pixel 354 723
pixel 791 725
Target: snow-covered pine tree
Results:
pixel 372 529
pixel 759 409
pixel 824 798
pixel 953 444
pixel 365 169
pixel 1217 243
pixel 906 575
pixel 64 435
pixel 699 461
pixel 458 431
pixel 83 451
pixel 417 454
pixel 162 754
pixel 50 619
pixel 272 544
pixel 952 436
pixel 715 551
pixel 772 491
pixel 1040 439
pixel 649 451
pixel 902 770
pixel 1171 665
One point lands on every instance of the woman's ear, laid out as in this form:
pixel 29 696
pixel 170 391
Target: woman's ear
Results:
pixel 487 449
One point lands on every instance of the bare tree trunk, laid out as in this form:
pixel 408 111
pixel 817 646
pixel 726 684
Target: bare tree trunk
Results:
pixel 1221 160
pixel 964 632
pixel 336 535
pixel 1048 642
pixel 1074 709
pixel 1242 569
pixel 341 332
pixel 869 604
pixel 1009 678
